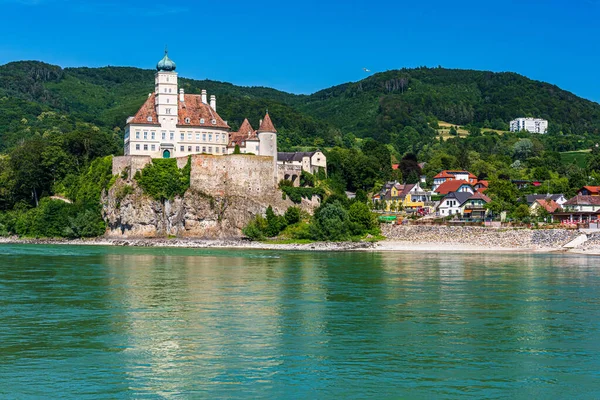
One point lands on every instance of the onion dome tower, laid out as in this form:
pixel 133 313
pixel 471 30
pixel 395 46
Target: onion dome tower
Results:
pixel 166 64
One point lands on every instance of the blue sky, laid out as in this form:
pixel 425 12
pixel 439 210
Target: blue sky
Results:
pixel 305 46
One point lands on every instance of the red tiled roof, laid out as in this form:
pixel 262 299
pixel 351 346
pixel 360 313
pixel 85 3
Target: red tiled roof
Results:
pixel 479 195
pixel 145 111
pixel 266 125
pixel 443 174
pixel 584 201
pixel 592 189
pixel 246 132
pixel 450 186
pixel 483 183
pixel 192 108
pixel 452 174
pixel 549 205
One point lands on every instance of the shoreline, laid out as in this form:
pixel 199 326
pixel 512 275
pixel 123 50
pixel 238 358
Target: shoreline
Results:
pixel 387 245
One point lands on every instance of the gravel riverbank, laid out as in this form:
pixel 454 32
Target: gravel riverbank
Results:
pixel 399 238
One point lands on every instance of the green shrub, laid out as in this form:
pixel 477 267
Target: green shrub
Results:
pixel 163 180
pixel 330 223
pixel 292 215
pixel 296 194
pixel 362 220
pixel 255 228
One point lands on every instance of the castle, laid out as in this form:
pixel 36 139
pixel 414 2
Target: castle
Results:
pixel 173 124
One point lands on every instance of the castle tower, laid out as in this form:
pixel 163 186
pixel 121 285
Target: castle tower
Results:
pixel 165 87
pixel 267 136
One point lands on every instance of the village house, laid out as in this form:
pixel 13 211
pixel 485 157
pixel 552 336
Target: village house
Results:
pixel 450 175
pixel 454 186
pixel 474 206
pixel 589 191
pixel 481 186
pixel 548 205
pixel 396 196
pixel 559 199
pixel 580 209
pixel 452 203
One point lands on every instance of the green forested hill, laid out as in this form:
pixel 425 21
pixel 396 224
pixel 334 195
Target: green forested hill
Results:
pixel 380 106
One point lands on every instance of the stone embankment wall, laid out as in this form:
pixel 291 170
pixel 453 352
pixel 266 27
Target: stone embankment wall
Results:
pixel 225 193
pixel 478 236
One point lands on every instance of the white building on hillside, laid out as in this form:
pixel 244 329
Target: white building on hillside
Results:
pixel 533 125
pixel 174 124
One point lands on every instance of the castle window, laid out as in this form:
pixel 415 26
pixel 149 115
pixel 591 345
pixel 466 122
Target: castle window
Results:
pixel 172 135
pixel 187 120
pixel 149 119
pixel 137 135
pixel 189 135
pixel 137 146
pixel 214 121
pixel 182 136
pixel 145 135
pixel 197 149
pixel 182 148
pixel 209 149
pixel 210 138
pixel 197 136
pixel 146 147
pixel 190 149
pixel 168 110
pixel 201 120
pixel 169 92
pixel 204 137
pixel 204 149
pixel 164 135
pixel 153 148
pixel 153 135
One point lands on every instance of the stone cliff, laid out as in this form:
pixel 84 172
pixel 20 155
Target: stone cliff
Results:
pixel 225 193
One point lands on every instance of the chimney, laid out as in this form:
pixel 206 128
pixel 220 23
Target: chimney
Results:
pixel 204 96
pixel 181 95
pixel 259 123
pixel 213 102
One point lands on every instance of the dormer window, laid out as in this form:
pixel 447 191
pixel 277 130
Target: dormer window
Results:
pixel 214 121
pixel 187 120
pixel 149 119
pixel 201 120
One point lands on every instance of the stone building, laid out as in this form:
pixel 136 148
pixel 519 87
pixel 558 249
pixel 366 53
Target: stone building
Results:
pixel 291 165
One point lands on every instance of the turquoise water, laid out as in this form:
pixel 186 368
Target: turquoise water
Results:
pixel 96 322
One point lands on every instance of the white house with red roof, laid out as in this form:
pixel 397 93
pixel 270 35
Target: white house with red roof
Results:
pixel 451 175
pixel 173 124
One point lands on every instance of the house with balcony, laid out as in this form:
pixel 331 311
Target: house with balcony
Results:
pixel 580 209
pixel 474 206
pixel 451 175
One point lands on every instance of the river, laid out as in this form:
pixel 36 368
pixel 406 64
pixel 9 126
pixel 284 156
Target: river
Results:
pixel 110 322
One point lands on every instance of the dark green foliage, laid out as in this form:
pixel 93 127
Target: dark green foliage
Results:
pixel 55 218
pixel 330 222
pixel 255 230
pixel 307 179
pixel 296 194
pixel 292 215
pixel 163 180
pixel 275 223
pixel 362 220
pixel 236 149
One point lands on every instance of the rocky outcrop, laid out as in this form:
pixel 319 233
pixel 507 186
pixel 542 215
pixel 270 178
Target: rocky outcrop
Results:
pixel 132 214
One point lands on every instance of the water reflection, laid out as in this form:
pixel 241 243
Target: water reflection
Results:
pixel 230 324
